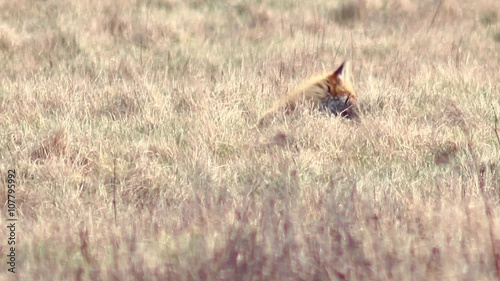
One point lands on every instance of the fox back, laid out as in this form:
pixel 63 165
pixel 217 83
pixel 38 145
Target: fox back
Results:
pixel 331 92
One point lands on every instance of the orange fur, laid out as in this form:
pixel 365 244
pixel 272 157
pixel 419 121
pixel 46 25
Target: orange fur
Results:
pixel 317 90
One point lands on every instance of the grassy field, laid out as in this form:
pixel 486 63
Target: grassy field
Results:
pixel 131 126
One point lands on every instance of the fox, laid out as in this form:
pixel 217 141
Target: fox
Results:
pixel 331 92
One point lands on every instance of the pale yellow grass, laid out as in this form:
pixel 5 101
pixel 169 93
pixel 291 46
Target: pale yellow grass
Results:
pixel 156 103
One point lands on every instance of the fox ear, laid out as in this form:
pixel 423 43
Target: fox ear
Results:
pixel 341 71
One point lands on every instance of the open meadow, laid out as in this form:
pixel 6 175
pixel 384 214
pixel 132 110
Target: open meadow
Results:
pixel 131 127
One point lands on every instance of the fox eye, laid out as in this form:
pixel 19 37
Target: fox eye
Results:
pixel 329 88
pixel 346 100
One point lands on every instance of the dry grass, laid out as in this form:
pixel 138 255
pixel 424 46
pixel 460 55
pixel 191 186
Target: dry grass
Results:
pixel 156 102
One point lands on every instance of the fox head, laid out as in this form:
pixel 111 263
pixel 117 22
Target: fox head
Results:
pixel 339 85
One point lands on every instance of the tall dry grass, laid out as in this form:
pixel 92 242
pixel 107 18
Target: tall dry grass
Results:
pixel 131 125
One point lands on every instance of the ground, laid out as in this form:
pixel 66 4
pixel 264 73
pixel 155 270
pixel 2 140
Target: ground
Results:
pixel 131 128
